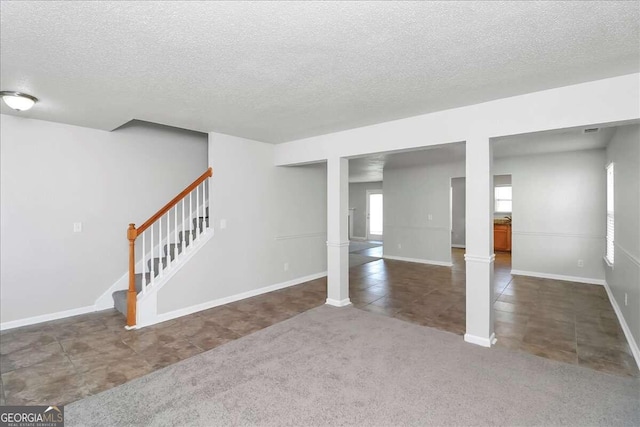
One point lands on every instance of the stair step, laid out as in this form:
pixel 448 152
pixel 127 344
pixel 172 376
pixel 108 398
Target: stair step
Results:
pixel 139 281
pixel 171 249
pixel 156 264
pixel 187 236
pixel 120 301
pixel 198 222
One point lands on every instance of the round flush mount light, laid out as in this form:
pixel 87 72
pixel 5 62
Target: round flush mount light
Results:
pixel 17 100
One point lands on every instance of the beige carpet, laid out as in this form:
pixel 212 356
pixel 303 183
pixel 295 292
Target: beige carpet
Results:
pixel 332 366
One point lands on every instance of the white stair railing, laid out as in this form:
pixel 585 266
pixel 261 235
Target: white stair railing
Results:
pixel 173 245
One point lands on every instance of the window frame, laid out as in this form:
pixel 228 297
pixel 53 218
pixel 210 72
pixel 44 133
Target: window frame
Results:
pixel 496 200
pixel 609 255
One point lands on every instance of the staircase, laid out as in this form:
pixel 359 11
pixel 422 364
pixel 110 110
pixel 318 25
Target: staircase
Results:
pixel 166 240
pixel 171 251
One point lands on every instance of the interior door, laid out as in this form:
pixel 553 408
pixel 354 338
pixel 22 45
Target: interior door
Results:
pixel 374 214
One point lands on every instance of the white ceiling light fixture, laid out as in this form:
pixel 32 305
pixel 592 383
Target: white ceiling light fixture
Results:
pixel 17 100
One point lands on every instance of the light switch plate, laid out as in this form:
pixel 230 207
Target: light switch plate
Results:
pixel 77 227
pixel 223 223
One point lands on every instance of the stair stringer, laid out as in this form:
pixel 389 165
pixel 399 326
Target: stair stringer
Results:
pixel 147 303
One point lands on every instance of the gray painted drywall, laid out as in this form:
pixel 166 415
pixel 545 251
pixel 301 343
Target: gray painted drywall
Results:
pixel 458 206
pixel 410 195
pixel 624 277
pixel 558 211
pixel 53 175
pixel 274 215
pixel 358 200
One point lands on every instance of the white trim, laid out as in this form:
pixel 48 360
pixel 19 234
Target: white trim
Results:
pixel 338 244
pixel 625 327
pixel 459 246
pixel 547 234
pixel 334 302
pixel 302 236
pixel 232 298
pixel 577 279
pixel 633 259
pixel 46 317
pixel 606 261
pixel 170 271
pixel 484 342
pixel 419 227
pixel 480 258
pixel 419 261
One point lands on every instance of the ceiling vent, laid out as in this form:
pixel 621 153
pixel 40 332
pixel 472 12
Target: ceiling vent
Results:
pixel 591 130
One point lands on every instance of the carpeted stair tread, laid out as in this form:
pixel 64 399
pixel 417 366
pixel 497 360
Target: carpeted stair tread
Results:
pixel 169 250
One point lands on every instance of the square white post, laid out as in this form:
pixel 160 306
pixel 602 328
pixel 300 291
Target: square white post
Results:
pixel 337 232
pixel 479 256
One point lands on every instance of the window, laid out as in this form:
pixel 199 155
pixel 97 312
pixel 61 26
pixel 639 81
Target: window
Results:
pixel 610 215
pixel 503 203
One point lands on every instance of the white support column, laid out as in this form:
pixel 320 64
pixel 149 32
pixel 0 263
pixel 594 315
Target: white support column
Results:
pixel 337 232
pixel 479 256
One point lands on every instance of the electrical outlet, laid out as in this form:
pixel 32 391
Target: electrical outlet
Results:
pixel 286 266
pixel 580 263
pixel 77 227
pixel 626 300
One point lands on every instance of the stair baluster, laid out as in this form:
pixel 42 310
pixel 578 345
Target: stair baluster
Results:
pixel 156 266
pixel 197 227
pixel 144 266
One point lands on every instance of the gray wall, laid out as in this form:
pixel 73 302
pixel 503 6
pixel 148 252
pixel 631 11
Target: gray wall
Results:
pixel 411 194
pixel 274 215
pixel 358 200
pixel 624 277
pixel 53 175
pixel 458 206
pixel 558 211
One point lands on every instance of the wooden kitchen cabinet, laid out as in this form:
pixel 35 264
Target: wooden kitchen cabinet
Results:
pixel 502 237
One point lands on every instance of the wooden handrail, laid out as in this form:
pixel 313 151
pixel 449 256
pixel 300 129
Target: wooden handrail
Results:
pixel 174 201
pixel 133 233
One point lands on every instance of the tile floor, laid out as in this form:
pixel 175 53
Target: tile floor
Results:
pixel 565 321
pixel 62 361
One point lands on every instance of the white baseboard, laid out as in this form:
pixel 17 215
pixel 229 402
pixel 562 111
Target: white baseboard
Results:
pixel 459 246
pixel 484 342
pixel 559 277
pixel 419 261
pixel 47 317
pixel 226 300
pixel 334 302
pixel 625 327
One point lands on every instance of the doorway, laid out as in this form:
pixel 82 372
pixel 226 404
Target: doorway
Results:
pixel 374 215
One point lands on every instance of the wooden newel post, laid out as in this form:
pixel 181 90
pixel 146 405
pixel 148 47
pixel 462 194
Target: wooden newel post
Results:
pixel 132 295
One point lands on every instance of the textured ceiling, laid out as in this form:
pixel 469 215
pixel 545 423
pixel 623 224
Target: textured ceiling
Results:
pixel 279 71
pixel 370 168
